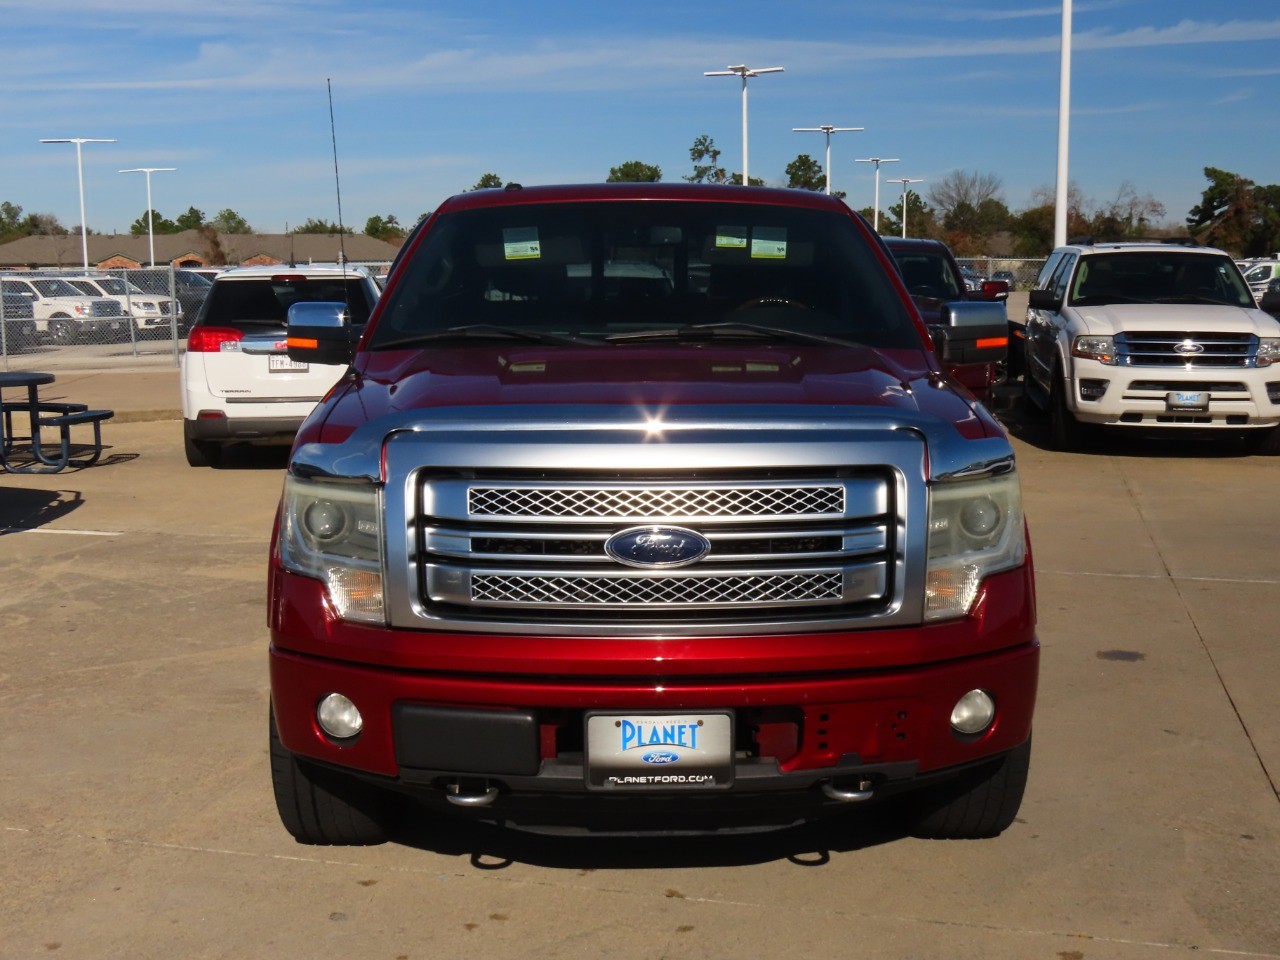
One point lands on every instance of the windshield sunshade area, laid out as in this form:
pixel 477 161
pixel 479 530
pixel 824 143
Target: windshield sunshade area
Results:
pixel 266 301
pixel 1158 277
pixel 928 274
pixel 626 271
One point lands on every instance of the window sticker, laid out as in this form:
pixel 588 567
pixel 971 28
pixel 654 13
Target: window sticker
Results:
pixel 731 238
pixel 521 243
pixel 769 243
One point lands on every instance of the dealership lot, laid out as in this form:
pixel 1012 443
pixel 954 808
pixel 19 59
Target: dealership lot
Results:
pixel 138 818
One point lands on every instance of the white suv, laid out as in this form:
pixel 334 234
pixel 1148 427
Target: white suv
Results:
pixel 62 313
pixel 149 311
pixel 1151 335
pixel 238 383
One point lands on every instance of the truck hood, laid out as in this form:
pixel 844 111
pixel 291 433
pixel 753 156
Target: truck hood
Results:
pixel 650 378
pixel 1150 317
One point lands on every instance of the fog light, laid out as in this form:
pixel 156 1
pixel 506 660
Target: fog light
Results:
pixel 1092 389
pixel 973 712
pixel 339 717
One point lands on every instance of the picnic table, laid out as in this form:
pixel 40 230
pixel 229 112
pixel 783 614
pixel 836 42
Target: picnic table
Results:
pixel 48 414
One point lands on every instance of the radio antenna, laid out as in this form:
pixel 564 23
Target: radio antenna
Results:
pixel 337 184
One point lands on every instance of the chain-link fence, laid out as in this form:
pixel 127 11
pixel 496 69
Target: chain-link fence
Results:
pixel 103 317
pixel 1018 273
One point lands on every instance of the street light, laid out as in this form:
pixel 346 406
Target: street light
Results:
pixel 84 230
pixel 904 181
pixel 744 72
pixel 151 237
pixel 828 130
pixel 1064 127
pixel 877 161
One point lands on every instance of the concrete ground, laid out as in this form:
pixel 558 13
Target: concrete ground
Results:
pixel 137 817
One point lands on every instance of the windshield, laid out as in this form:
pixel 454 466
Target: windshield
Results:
pixel 1158 277
pixel 55 288
pixel 928 274
pixel 607 270
pixel 117 287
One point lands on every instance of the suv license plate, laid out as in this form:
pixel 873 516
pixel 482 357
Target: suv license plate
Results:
pixel 1186 400
pixel 645 752
pixel 280 363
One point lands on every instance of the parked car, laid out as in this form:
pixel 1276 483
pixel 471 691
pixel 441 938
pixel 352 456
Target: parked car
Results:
pixel 62 313
pixel 238 383
pixel 188 286
pixel 150 312
pixel 1270 301
pixel 1260 274
pixel 720 544
pixel 934 278
pixel 19 322
pixel 1005 276
pixel 1150 336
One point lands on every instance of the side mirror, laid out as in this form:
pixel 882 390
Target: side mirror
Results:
pixel 320 333
pixel 972 332
pixel 1044 300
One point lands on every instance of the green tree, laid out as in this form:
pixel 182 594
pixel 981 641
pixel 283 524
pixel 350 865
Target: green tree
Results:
pixel 321 226
pixel 193 219
pixel 228 221
pixel 1236 214
pixel 633 171
pixel 159 225
pixel 384 228
pixel 488 181
pixel 706 162
pixel 10 218
pixel 805 173
pixel 922 221
pixel 736 180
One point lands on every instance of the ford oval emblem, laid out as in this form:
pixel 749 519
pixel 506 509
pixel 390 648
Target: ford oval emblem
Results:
pixel 657 547
pixel 1188 348
pixel 660 757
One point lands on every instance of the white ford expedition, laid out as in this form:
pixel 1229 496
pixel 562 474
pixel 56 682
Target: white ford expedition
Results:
pixel 1151 336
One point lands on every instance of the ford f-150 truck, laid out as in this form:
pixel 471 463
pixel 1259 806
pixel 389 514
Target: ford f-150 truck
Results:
pixel 646 507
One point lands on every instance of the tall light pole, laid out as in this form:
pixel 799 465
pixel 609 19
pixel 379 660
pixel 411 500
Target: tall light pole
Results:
pixel 877 161
pixel 1064 128
pixel 151 235
pixel 905 181
pixel 745 73
pixel 828 130
pixel 84 229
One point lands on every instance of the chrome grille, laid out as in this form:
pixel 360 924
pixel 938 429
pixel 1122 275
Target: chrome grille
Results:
pixel 506 550
pixel 105 308
pixel 628 591
pixel 649 502
pixel 1151 349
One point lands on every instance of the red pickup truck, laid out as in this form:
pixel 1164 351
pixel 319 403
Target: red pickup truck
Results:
pixel 644 507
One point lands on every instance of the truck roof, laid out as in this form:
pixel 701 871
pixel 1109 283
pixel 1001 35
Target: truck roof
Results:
pixel 686 192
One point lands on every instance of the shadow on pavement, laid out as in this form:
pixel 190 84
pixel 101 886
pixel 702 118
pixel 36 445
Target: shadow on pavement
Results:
pixel 25 509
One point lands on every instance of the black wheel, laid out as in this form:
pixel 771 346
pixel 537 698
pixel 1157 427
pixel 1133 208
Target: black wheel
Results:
pixel 203 453
pixel 319 807
pixel 980 803
pixel 62 330
pixel 1265 443
pixel 1066 433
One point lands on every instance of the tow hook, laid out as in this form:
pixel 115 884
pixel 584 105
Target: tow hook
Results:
pixel 454 794
pixel 864 792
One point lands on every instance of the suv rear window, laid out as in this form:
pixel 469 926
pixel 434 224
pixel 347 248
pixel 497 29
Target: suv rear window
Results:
pixel 609 268
pixel 265 301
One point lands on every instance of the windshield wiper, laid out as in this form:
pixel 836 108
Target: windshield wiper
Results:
pixel 704 331
pixel 486 331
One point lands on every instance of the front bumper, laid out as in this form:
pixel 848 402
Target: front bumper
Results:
pixel 1140 396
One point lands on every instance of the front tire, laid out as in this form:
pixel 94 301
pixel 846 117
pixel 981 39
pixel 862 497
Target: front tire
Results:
pixel 62 330
pixel 318 807
pixel 1265 443
pixel 978 804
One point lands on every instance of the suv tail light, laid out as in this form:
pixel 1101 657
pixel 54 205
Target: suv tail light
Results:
pixel 211 339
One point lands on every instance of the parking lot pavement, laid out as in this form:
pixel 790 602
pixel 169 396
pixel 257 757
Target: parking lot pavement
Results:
pixel 138 820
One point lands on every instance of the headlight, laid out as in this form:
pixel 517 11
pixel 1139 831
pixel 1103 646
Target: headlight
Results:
pixel 333 532
pixel 1102 349
pixel 975 529
pixel 1268 352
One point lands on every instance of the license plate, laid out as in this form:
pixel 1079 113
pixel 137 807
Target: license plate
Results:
pixel 280 363
pixel 1186 400
pixel 644 753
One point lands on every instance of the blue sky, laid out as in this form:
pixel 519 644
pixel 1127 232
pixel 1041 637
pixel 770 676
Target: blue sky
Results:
pixel 430 95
